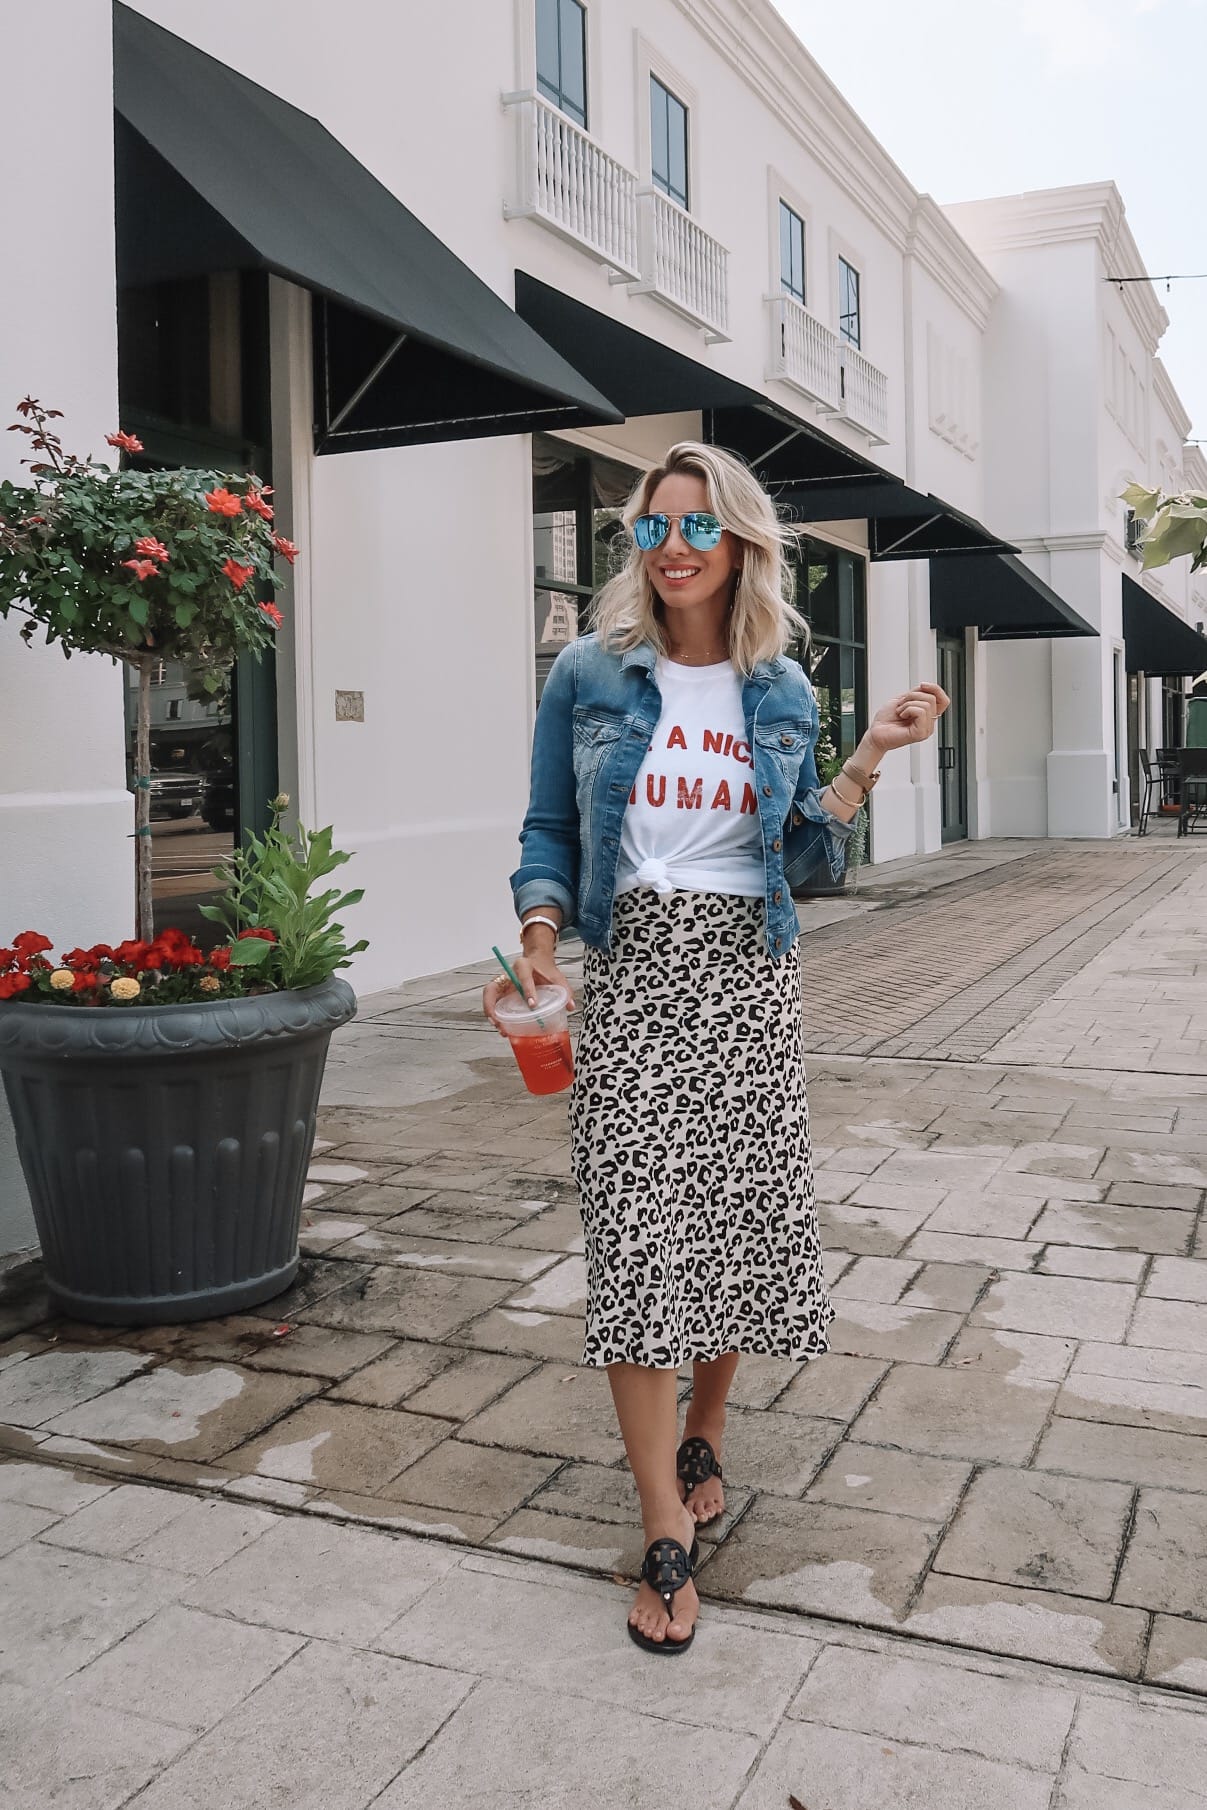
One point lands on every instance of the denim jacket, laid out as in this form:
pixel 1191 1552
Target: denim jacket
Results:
pixel 597 716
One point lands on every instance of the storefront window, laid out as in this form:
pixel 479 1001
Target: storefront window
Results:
pixel 576 536
pixel 831 593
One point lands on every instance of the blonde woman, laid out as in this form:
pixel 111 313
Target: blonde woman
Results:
pixel 674 804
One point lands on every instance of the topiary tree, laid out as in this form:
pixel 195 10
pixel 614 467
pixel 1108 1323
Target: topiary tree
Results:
pixel 141 566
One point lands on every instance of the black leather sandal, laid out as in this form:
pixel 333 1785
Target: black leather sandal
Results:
pixel 696 1462
pixel 666 1567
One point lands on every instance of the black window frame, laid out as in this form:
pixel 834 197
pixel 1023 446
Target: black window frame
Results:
pixel 844 631
pixel 598 536
pixel 553 90
pixel 849 274
pixel 787 217
pixel 664 180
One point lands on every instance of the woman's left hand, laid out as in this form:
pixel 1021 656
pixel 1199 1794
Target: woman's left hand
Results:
pixel 909 717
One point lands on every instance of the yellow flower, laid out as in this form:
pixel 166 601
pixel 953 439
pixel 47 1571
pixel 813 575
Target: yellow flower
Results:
pixel 125 987
pixel 209 983
pixel 62 980
pixel 280 802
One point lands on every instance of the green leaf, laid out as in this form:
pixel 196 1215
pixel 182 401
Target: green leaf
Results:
pixel 184 613
pixel 1144 502
pixel 252 952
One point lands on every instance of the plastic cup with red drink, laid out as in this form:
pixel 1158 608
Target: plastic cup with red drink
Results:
pixel 540 1038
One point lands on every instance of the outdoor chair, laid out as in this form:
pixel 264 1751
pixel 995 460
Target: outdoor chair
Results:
pixel 1192 771
pixel 1150 779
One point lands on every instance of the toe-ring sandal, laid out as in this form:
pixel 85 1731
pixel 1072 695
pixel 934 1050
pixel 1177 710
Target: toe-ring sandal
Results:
pixel 696 1462
pixel 666 1567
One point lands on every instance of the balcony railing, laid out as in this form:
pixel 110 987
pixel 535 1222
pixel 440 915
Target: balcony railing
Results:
pixel 864 394
pixel 565 180
pixel 804 353
pixel 681 264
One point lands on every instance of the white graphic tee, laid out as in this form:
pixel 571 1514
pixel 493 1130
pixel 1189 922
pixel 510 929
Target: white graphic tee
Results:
pixel 692 822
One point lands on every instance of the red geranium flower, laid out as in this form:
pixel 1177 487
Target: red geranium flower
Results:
pixel 255 500
pixel 285 548
pixel 130 954
pixel 237 574
pixel 126 442
pixel 7 957
pixel 273 613
pixel 150 548
pixel 224 502
pixel 220 959
pixel 85 981
pixel 12 983
pixel 266 935
pixel 31 942
pixel 141 568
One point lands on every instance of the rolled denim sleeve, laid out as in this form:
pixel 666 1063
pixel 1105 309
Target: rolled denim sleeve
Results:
pixel 813 835
pixel 549 838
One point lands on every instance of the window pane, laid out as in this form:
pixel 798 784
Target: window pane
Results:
pixel 677 137
pixel 555 544
pixel 548 61
pixel 848 302
pixel 574 60
pixel 659 153
pixel 792 252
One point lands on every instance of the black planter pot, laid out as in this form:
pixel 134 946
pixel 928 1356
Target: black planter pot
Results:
pixel 165 1147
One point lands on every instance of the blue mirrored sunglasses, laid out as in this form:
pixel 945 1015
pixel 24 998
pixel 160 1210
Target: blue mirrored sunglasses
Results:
pixel 699 529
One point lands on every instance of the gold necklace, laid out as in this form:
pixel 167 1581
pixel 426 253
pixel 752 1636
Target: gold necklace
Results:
pixel 709 659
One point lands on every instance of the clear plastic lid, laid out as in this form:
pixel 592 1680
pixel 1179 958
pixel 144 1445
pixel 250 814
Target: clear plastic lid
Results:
pixel 512 1009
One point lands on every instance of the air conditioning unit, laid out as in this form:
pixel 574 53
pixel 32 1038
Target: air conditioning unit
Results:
pixel 1133 532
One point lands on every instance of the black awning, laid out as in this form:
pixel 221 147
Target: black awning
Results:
pixel 902 523
pixel 1157 642
pixel 217 173
pixel 1001 598
pixel 641 376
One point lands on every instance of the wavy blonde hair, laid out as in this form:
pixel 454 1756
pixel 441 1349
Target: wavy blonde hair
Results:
pixel 764 618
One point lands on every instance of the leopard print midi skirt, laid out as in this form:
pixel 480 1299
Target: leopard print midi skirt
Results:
pixel 690 1139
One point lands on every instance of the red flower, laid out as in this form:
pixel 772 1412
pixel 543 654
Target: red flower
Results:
pixel 126 442
pixel 31 942
pixel 267 936
pixel 285 548
pixel 88 958
pixel 237 574
pixel 220 959
pixel 255 500
pixel 141 568
pixel 224 502
pixel 7 958
pixel 12 983
pixel 85 981
pixel 273 613
pixel 150 548
pixel 130 954
pixel 153 959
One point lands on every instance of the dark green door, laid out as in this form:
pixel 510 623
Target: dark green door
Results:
pixel 953 740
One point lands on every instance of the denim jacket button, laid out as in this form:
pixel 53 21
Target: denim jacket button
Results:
pixel 777 845
pixel 779 942
pixel 776 897
pixel 796 820
pixel 786 741
pixel 766 791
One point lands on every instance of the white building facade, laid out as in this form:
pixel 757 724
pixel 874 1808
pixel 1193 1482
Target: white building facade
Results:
pixel 679 201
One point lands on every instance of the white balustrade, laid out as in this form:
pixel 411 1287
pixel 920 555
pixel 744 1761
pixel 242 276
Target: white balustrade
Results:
pixel 682 264
pixel 804 353
pixel 565 180
pixel 864 393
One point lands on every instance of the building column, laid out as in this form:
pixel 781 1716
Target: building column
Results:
pixel 1080 766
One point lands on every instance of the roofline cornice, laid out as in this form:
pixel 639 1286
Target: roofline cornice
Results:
pixel 1088 211
pixel 947 257
pixel 1170 401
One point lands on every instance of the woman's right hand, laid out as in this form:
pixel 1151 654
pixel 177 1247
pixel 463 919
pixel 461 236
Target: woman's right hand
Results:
pixel 538 969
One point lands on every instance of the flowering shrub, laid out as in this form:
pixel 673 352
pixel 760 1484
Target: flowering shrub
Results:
pixel 170 970
pixel 142 566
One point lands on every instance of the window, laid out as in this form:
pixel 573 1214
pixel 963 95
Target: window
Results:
pixel 848 302
pixel 668 142
pixel 792 252
pixel 830 593
pixel 561 55
pixel 577 539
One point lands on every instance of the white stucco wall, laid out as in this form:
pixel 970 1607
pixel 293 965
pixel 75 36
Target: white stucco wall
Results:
pixel 65 816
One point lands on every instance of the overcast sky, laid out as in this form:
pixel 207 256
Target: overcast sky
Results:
pixel 989 97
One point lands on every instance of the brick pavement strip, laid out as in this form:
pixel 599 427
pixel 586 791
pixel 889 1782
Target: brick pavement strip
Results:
pixel 1004 1456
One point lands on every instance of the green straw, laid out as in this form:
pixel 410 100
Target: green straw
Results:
pixel 514 978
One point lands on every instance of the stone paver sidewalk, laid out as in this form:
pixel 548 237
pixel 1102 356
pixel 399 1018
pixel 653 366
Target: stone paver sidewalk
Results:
pixel 176 1652
pixel 1005 1451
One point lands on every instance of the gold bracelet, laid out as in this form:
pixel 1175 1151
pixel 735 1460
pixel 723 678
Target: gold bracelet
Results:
pixel 855 803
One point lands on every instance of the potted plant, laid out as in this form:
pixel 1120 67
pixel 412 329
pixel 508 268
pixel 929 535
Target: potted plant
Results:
pixel 164 1098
